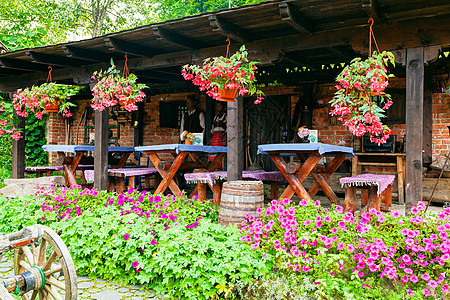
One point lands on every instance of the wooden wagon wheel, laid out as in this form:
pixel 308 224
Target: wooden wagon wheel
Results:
pixel 52 259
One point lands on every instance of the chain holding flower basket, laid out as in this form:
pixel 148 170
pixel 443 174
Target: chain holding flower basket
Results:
pixel 224 77
pixel 360 101
pixel 112 89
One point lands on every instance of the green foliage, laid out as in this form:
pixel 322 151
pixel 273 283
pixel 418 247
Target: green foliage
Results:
pixel 34 140
pixel 16 213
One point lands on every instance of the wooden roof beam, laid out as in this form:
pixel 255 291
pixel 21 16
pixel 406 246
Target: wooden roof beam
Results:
pixel 290 14
pixel 373 10
pixel 151 74
pixel 342 54
pixel 89 55
pixel 163 34
pixel 53 60
pixel 228 29
pixel 114 44
pixel 284 57
pixel 21 65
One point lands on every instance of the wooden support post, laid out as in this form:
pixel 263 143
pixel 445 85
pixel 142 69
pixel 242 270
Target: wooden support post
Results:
pixel 427 120
pixel 350 199
pixel 235 137
pixel 18 151
pixel 101 150
pixel 414 126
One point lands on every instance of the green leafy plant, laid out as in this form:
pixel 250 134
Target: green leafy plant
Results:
pixel 354 101
pixel 218 74
pixel 112 89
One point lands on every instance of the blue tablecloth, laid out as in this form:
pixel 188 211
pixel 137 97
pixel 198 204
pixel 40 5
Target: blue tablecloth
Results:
pixel 183 147
pixel 74 148
pixel 325 149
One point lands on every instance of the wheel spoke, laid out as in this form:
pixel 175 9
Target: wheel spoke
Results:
pixel 53 271
pixel 52 293
pixel 28 254
pixel 35 252
pixel 41 295
pixel 49 262
pixel 25 265
pixel 42 252
pixel 33 296
pixel 56 283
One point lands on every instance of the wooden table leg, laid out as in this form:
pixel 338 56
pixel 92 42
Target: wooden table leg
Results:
pixel 217 191
pixel 301 175
pixel 202 191
pixel 373 200
pixel 326 188
pixel 212 166
pixel 401 179
pixel 169 174
pixel 329 170
pixel 274 190
pixel 69 170
pixel 122 160
pixel 355 166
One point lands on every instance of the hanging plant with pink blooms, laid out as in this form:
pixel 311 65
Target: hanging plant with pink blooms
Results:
pixel 360 101
pixel 224 77
pixel 112 89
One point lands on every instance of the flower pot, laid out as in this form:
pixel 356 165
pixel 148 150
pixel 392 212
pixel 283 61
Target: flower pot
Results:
pixel 50 107
pixel 187 142
pixel 228 95
pixel 304 140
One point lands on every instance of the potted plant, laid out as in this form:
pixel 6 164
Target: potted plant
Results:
pixel 303 134
pixel 360 101
pixel 223 77
pixel 48 97
pixel 188 138
pixel 112 89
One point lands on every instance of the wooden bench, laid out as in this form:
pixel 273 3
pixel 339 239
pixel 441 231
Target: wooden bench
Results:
pixel 376 192
pixel 41 170
pixel 215 180
pixel 117 177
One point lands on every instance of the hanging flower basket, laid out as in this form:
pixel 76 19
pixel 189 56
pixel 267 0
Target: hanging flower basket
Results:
pixel 112 89
pixel 360 101
pixel 228 95
pixel 50 107
pixel 218 74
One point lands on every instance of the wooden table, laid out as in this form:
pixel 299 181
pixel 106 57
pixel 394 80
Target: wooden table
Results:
pixel 309 155
pixel 168 169
pixel 70 164
pixel 377 159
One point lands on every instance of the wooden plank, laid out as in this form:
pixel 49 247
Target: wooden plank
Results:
pixel 235 139
pixel 401 179
pixel 350 199
pixel 442 192
pixel 101 150
pixel 18 151
pixel 427 120
pixel 414 125
pixel 377 164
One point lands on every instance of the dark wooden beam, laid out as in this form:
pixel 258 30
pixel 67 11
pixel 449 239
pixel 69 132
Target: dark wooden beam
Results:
pixel 54 60
pixel 21 65
pixel 9 71
pixel 428 120
pixel 174 38
pixel 296 61
pixel 414 126
pixel 151 74
pixel 84 54
pixel 290 14
pixel 18 151
pixel 101 150
pixel 373 10
pixel 342 54
pixel 228 29
pixel 235 139
pixel 114 44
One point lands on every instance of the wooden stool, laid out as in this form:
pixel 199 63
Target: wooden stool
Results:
pixel 369 185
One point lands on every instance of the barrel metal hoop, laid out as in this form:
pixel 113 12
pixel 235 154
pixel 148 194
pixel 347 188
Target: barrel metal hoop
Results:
pixel 42 275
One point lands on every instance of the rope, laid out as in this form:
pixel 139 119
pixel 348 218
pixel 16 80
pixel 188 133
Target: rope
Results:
pixel 126 72
pixel 372 35
pixel 49 77
pixel 228 47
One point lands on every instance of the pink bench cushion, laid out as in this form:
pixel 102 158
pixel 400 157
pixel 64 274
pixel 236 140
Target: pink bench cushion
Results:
pixel 126 172
pixel 211 177
pixel 381 181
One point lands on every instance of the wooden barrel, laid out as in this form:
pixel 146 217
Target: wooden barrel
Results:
pixel 239 198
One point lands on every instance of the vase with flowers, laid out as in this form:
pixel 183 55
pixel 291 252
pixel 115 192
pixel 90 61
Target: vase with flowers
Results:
pixel 47 97
pixel 112 89
pixel 303 134
pixel 188 138
pixel 223 78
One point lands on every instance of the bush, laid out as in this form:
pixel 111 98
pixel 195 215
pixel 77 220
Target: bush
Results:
pixel 344 254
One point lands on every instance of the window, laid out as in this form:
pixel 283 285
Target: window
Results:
pixel 170 113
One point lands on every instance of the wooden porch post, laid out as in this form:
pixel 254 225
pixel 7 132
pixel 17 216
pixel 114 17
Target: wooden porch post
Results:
pixel 235 136
pixel 18 151
pixel 414 126
pixel 101 150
